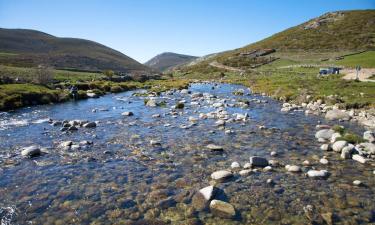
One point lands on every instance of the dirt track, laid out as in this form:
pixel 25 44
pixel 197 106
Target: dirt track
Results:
pixel 364 74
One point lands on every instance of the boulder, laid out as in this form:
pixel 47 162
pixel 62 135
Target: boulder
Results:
pixel 221 175
pixel 369 136
pixel 325 134
pixel 369 148
pixel 347 151
pixel 258 161
pixel 336 114
pixel 31 151
pixel 222 209
pixel 359 158
pixel 339 145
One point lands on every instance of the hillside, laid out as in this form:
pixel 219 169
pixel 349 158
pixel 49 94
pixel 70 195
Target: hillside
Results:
pixel 29 48
pixel 168 60
pixel 328 36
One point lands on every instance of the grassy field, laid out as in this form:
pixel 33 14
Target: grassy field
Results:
pixel 365 60
pixel 295 83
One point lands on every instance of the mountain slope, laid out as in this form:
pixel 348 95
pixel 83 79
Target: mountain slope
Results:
pixel 330 34
pixel 168 60
pixel 31 48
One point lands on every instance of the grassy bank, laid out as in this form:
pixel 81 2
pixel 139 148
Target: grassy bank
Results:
pixel 294 84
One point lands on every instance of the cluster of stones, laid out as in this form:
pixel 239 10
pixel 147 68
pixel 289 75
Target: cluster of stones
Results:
pixel 362 152
pixel 72 125
pixel 332 112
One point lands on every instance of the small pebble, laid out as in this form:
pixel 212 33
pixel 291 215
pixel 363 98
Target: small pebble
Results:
pixel 273 153
pixel 357 183
pixel 323 161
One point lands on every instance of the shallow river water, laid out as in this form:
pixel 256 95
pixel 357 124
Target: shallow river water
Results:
pixel 123 179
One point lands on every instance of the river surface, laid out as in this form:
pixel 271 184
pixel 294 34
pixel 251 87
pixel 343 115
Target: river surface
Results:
pixel 123 179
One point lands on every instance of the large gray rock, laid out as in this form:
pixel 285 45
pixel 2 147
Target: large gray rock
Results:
pixel 222 209
pixel 30 151
pixel 325 134
pixel 221 175
pixel 336 114
pixel 258 161
pixel 339 145
pixel 369 136
pixel 347 151
pixel 369 148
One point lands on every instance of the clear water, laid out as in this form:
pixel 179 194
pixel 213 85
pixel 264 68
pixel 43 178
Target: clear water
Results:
pixel 122 179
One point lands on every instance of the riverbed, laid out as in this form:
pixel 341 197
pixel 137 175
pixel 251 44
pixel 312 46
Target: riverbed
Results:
pixel 146 168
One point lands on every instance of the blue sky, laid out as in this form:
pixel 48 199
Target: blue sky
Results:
pixel 142 29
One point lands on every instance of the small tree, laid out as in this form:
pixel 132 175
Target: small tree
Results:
pixel 109 74
pixel 43 75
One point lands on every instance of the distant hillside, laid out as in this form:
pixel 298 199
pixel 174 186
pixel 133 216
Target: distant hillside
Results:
pixel 168 60
pixel 331 33
pixel 29 48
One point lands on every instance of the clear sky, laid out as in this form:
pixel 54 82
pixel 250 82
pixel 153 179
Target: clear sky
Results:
pixel 142 29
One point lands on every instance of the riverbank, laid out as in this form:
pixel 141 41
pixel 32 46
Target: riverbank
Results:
pixel 13 96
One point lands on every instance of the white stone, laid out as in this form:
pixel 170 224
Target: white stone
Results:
pixel 339 145
pixel 235 165
pixel 359 158
pixel 293 168
pixel 323 161
pixel 317 173
pixel 221 174
pixel 245 172
pixel 207 192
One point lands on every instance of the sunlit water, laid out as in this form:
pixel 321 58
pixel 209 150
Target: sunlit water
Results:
pixel 122 179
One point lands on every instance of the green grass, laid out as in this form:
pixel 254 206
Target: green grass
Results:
pixel 5 54
pixel 28 74
pixel 294 84
pixel 365 60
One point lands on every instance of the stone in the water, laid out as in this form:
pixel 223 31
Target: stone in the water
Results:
pixel 359 158
pixel 221 175
pixel 273 153
pixel 323 161
pixel 293 168
pixel 267 169
pixel 269 181
pixel 247 166
pixel 334 137
pixel 346 152
pixel 325 147
pixel 207 192
pixel 222 209
pixel 31 151
pixel 339 145
pixel 245 172
pixel 368 147
pixel 325 134
pixel 235 165
pixel 306 163
pixel 336 114
pixel 89 125
pixel 155 142
pixel 213 147
pixel 72 128
pixel 317 173
pixel 258 161
pixel 357 183
pixel 369 136
pixel 127 113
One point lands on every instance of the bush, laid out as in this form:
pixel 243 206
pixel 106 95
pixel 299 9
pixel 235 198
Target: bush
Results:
pixel 351 138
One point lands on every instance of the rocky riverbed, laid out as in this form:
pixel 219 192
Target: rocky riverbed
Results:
pixel 210 154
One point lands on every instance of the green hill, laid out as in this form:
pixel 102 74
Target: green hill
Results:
pixel 328 36
pixel 29 48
